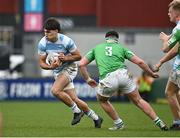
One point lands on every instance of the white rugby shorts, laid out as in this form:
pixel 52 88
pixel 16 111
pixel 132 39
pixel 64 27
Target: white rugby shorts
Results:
pixel 119 80
pixel 175 77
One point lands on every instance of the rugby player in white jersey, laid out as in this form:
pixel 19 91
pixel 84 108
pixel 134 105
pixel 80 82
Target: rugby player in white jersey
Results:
pixel 171 45
pixel 64 69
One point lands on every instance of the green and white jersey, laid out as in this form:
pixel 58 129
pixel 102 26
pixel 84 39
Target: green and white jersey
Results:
pixel 175 37
pixel 109 57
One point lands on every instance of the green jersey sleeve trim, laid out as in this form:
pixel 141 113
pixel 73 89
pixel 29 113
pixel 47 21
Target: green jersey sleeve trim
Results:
pixel 128 53
pixel 90 55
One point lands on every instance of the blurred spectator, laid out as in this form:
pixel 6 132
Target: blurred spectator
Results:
pixel 145 85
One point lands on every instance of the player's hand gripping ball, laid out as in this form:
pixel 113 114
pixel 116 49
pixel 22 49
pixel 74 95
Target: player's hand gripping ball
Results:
pixel 52 57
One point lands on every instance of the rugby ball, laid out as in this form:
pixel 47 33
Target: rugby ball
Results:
pixel 51 57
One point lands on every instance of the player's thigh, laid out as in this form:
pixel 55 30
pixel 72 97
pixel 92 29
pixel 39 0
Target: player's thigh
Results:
pixel 61 82
pixel 178 96
pixel 109 85
pixel 171 88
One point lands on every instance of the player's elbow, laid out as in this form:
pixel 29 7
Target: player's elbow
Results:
pixel 79 57
pixel 81 65
pixel 165 47
pixel 140 62
pixel 83 62
pixel 41 66
pixel 165 50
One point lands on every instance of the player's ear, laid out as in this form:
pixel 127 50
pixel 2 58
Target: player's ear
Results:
pixel 57 31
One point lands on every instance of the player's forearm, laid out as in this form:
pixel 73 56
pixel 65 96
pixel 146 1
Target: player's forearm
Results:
pixel 165 47
pixel 45 66
pixel 171 54
pixel 138 61
pixel 145 67
pixel 84 73
pixel 73 58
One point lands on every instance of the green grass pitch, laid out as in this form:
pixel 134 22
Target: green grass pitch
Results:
pixel 53 119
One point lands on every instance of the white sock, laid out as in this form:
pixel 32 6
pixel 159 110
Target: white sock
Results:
pixel 176 121
pixel 75 108
pixel 118 121
pixel 159 122
pixel 92 115
pixel 156 119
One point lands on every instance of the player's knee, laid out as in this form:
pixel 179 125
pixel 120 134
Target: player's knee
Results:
pixel 54 91
pixel 169 94
pixel 136 100
pixel 102 99
pixel 75 99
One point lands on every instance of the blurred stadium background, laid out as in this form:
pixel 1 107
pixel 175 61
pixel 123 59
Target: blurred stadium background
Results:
pixel 138 22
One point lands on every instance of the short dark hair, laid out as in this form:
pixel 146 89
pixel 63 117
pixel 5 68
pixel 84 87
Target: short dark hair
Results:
pixel 52 24
pixel 112 33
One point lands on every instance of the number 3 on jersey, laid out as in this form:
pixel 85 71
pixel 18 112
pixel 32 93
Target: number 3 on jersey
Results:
pixel 108 51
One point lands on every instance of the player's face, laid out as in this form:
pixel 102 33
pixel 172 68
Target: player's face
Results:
pixel 51 35
pixel 172 15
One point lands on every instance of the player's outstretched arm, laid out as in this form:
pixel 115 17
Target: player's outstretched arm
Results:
pixel 138 61
pixel 171 54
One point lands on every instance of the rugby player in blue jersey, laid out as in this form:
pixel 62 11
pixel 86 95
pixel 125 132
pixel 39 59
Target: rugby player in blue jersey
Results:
pixel 64 69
